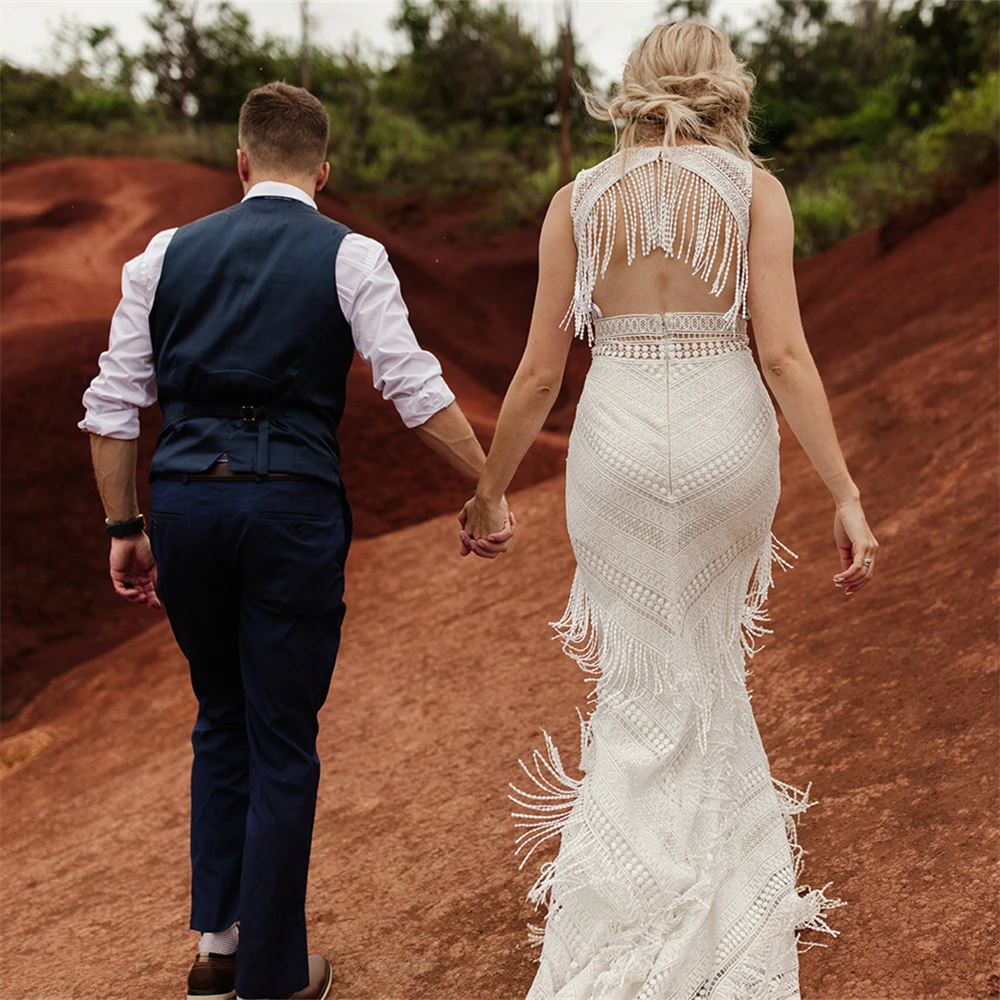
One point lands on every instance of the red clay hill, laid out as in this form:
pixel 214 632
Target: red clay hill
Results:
pixel 885 701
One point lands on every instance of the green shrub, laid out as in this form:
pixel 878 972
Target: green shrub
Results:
pixel 824 216
pixel 864 185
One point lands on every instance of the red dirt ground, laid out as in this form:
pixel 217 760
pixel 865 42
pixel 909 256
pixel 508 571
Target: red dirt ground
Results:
pixel 885 701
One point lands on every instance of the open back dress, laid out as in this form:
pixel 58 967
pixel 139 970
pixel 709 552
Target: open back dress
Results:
pixel 677 863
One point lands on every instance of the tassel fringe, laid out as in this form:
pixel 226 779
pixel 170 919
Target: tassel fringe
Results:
pixel 663 205
pixel 605 650
pixel 811 905
pixel 761 581
pixel 620 664
pixel 550 806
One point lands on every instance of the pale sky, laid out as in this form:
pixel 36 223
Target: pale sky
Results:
pixel 606 29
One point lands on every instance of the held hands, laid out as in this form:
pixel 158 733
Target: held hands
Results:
pixel 133 570
pixel 855 543
pixel 487 528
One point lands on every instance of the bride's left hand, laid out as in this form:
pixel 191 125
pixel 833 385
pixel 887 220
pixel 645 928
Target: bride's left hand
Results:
pixel 487 528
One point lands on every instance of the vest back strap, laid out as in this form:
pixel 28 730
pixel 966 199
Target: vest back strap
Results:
pixel 249 414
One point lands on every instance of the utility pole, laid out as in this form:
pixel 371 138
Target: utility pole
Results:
pixel 304 11
pixel 565 82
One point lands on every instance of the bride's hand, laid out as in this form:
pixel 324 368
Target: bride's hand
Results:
pixel 855 543
pixel 486 527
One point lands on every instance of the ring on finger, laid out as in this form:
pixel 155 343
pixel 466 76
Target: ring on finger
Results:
pixel 867 561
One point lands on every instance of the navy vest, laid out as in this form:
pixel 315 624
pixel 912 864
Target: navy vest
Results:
pixel 250 346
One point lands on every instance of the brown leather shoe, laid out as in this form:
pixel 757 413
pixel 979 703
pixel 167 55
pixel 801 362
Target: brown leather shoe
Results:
pixel 212 977
pixel 320 981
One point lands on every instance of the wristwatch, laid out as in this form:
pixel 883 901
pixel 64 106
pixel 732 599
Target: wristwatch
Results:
pixel 125 529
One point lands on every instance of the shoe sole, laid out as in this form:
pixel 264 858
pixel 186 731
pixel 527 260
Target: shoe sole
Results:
pixel 232 994
pixel 329 982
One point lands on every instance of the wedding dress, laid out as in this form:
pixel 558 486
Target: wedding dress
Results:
pixel 676 873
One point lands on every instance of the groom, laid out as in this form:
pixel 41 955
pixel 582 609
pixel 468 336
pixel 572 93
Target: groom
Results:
pixel 243 325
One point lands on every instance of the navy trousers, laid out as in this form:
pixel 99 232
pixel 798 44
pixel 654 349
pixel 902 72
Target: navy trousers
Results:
pixel 252 579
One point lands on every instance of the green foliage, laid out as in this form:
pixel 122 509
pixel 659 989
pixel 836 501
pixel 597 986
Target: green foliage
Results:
pixel 824 216
pixel 29 99
pixel 811 65
pixel 229 63
pixel 950 43
pixel 859 187
pixel 172 58
pixel 202 69
pixel 470 62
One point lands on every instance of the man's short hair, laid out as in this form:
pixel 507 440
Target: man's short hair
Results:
pixel 284 128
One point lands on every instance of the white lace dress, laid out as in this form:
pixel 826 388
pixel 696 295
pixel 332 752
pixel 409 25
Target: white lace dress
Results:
pixel 678 859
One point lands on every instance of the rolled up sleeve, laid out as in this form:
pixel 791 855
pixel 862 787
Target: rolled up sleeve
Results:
pixel 373 304
pixel 126 380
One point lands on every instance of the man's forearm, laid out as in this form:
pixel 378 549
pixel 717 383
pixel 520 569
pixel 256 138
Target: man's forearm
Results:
pixel 449 434
pixel 114 469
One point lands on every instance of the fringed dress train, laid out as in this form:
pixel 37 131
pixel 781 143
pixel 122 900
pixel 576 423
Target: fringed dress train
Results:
pixel 678 858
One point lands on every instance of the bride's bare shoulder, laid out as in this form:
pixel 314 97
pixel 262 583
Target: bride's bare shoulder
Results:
pixel 770 199
pixel 767 187
pixel 562 198
pixel 771 222
pixel 559 217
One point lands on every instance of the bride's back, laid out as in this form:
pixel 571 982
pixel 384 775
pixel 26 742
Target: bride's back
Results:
pixel 668 235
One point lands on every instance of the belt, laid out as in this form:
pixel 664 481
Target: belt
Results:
pixel 221 470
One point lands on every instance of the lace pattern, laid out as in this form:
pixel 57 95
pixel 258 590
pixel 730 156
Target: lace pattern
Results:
pixel 668 336
pixel 673 325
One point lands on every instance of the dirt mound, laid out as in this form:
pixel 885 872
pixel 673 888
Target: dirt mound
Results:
pixel 885 701
pixel 60 266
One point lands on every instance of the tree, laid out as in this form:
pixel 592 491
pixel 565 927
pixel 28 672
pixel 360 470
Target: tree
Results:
pixel 566 60
pixel 469 62
pixel 808 66
pixel 950 42
pixel 203 69
pixel 90 56
pixel 229 62
pixel 173 60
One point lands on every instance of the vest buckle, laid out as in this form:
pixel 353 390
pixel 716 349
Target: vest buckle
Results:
pixel 249 414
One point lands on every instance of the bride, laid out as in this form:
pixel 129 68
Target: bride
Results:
pixel 678 860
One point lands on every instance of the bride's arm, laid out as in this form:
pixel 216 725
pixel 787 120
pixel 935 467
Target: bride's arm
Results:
pixel 785 359
pixel 790 372
pixel 536 383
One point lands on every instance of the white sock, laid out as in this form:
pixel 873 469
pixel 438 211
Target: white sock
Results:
pixel 221 942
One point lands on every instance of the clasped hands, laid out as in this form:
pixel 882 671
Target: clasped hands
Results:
pixel 487 527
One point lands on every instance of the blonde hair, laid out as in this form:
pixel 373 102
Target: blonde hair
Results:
pixel 683 80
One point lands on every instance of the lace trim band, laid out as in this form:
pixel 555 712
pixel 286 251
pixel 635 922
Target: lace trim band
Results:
pixel 673 324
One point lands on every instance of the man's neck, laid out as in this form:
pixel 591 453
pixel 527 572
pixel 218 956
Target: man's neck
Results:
pixel 307 185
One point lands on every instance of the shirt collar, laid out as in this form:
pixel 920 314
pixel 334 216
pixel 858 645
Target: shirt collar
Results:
pixel 278 189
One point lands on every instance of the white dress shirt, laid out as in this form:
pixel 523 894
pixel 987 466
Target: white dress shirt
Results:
pixel 370 298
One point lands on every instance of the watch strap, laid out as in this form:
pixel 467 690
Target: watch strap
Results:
pixel 125 529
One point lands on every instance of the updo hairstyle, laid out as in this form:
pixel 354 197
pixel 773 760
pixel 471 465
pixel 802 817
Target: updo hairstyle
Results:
pixel 683 81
